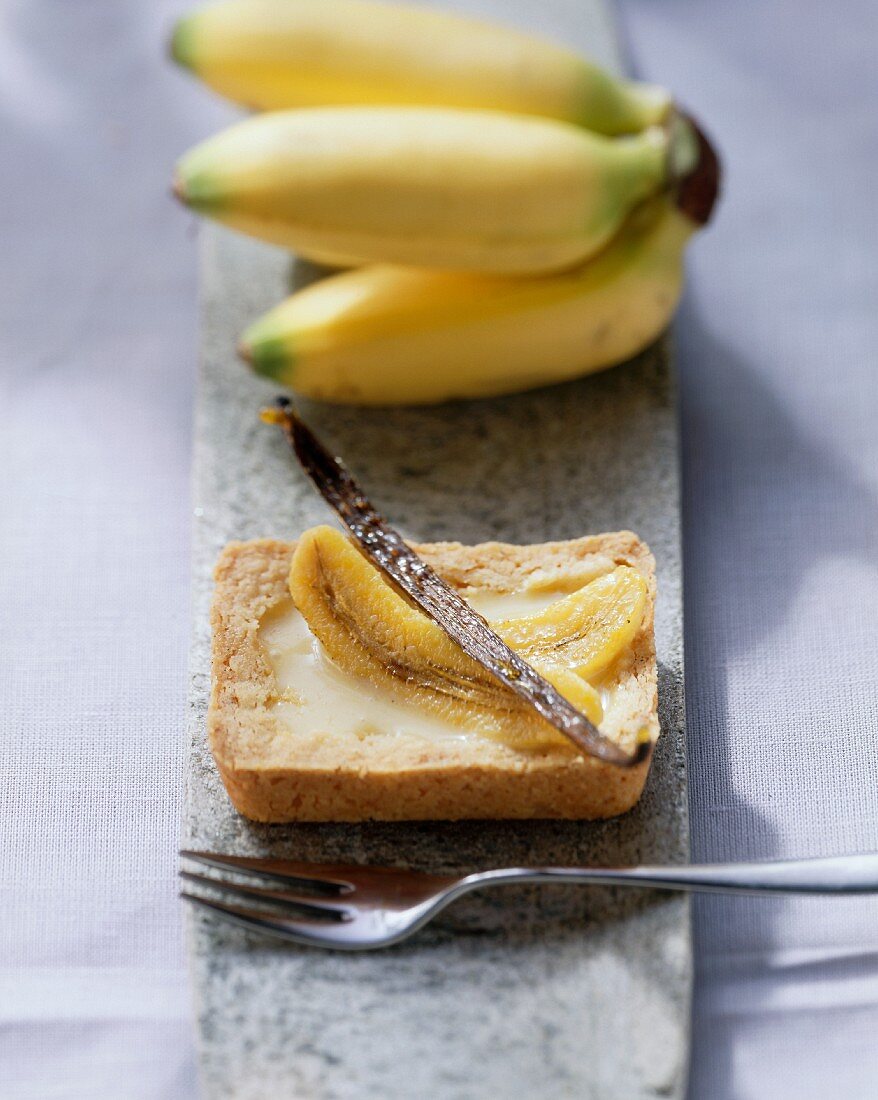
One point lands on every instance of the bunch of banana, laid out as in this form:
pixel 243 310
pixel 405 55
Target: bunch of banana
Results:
pixel 515 216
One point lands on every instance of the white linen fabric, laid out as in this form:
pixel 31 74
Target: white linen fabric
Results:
pixel 97 331
pixel 777 344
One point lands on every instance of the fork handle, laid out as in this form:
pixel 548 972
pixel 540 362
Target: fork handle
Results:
pixel 855 874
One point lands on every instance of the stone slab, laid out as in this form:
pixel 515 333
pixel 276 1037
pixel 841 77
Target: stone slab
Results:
pixel 531 993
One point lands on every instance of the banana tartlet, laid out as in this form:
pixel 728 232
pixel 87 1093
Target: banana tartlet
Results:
pixel 334 699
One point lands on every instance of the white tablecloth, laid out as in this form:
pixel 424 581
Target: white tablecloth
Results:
pixel 778 342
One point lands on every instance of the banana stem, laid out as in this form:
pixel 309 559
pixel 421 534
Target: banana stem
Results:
pixel 697 189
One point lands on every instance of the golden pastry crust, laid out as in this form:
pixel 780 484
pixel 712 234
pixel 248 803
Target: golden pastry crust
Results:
pixel 272 775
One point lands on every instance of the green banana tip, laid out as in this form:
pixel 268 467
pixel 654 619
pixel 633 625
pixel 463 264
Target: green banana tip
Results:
pixel 178 187
pixel 269 358
pixel 199 190
pixel 181 43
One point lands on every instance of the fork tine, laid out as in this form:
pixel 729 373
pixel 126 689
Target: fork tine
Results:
pixel 309 933
pixel 326 906
pixel 329 878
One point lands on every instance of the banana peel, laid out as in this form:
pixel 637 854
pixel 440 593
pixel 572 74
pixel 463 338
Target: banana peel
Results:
pixel 436 188
pixel 273 54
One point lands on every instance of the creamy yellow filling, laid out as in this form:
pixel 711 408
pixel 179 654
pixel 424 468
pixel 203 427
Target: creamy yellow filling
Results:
pixel 315 696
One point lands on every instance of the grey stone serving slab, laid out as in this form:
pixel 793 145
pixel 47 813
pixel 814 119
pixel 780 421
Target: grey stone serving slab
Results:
pixel 532 993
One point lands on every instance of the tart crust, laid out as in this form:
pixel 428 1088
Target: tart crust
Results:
pixel 273 775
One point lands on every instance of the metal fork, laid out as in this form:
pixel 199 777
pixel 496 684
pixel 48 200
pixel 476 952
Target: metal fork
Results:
pixel 355 908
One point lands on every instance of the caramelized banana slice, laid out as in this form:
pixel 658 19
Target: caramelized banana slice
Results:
pixel 585 631
pixel 575 690
pixel 371 631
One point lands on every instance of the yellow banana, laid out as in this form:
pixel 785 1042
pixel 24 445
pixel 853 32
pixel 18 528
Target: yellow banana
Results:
pixel 395 336
pixel 426 187
pixel 271 54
